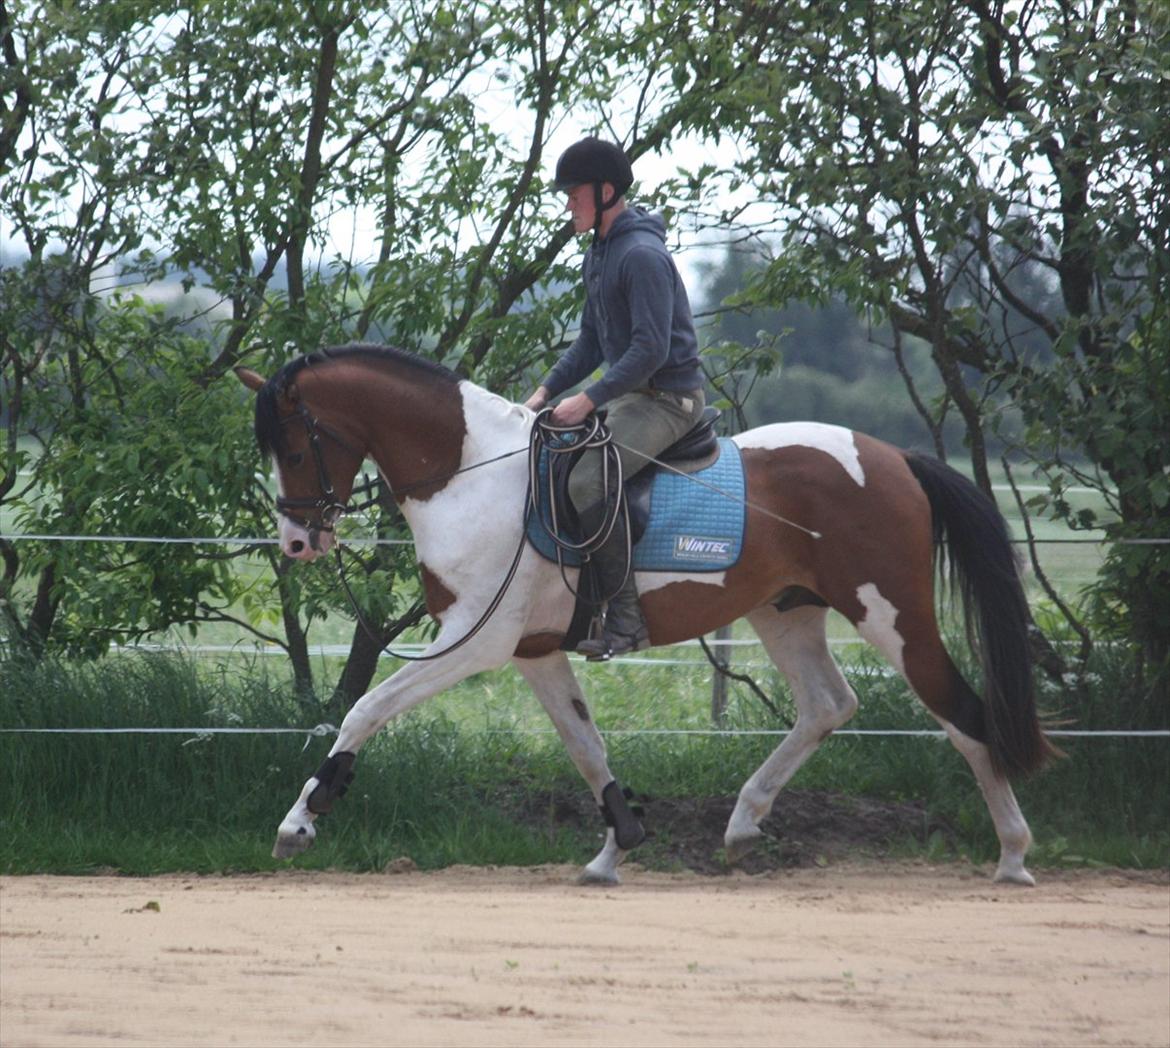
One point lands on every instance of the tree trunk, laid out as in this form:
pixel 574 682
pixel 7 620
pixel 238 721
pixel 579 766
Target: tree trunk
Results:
pixel 364 652
pixel 44 611
pixel 296 638
pixel 359 669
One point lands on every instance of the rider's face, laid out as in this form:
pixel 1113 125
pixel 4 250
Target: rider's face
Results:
pixel 580 205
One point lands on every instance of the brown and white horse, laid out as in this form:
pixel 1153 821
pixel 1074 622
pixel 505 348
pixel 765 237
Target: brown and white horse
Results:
pixel 875 517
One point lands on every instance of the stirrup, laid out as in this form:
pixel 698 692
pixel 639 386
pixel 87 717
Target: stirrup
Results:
pixel 594 645
pixel 605 647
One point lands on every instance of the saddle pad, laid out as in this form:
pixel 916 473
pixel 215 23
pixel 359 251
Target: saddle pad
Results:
pixel 696 521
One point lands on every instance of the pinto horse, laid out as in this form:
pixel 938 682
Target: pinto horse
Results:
pixel 871 523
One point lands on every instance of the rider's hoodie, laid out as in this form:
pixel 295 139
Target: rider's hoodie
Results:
pixel 637 318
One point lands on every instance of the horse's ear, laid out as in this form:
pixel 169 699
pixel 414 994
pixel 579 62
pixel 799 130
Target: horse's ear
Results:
pixel 250 378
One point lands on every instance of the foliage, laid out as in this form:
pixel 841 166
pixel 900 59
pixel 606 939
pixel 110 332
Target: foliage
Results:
pixel 984 178
pixel 987 178
pixel 210 153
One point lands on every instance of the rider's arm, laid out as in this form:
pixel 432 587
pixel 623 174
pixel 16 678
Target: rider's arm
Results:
pixel 648 279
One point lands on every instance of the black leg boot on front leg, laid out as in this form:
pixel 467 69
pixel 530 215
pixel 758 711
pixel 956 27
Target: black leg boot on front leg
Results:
pixel 624 628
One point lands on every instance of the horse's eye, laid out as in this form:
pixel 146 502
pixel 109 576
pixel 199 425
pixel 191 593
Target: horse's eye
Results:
pixel 295 459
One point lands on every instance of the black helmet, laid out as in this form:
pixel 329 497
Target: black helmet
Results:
pixel 592 160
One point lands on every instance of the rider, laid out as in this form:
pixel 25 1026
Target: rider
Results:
pixel 637 321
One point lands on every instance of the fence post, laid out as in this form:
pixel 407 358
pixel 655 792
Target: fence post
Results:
pixel 718 680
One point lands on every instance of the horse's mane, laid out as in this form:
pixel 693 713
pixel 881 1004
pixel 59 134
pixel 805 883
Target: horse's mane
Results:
pixel 270 432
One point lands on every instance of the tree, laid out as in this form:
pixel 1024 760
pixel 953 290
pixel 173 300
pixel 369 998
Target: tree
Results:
pixel 938 163
pixel 217 143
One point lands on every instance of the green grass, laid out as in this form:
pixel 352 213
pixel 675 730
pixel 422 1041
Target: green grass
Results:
pixel 447 783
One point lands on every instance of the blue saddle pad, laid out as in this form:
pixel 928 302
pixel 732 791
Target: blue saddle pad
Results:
pixel 696 521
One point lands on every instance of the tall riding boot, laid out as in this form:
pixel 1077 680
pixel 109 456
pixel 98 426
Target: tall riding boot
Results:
pixel 624 627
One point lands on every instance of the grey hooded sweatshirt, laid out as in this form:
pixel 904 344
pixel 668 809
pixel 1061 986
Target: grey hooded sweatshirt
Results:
pixel 637 318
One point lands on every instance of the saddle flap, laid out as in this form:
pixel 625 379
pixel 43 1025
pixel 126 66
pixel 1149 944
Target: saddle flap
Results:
pixel 697 447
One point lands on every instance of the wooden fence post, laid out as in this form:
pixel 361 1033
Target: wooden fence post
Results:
pixel 718 680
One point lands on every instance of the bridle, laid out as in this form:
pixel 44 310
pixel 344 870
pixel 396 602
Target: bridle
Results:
pixel 329 507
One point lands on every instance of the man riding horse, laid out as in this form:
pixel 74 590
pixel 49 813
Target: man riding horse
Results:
pixel 637 321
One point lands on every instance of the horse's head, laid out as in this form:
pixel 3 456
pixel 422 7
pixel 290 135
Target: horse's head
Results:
pixel 315 461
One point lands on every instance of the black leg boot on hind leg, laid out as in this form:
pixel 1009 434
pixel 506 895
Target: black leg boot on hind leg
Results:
pixel 624 628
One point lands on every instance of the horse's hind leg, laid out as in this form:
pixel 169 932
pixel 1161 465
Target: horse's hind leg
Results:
pixel 911 642
pixel 1010 826
pixel 551 678
pixel 795 640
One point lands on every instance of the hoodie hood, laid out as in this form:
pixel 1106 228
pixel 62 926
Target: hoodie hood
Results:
pixel 635 220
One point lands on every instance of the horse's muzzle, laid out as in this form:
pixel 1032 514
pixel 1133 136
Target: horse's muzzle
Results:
pixel 304 544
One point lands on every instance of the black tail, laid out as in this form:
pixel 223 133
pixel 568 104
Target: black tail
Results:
pixel 970 533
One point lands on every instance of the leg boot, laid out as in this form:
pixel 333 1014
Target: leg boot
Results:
pixel 624 628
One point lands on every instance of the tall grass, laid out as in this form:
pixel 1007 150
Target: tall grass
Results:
pixel 146 803
pixel 450 782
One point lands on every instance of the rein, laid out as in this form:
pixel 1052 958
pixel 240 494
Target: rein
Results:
pixel 332 509
pixel 479 624
pixel 592 434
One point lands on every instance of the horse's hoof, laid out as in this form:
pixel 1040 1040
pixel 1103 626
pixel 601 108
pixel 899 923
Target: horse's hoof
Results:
pixel 589 876
pixel 1014 875
pixel 741 845
pixel 290 843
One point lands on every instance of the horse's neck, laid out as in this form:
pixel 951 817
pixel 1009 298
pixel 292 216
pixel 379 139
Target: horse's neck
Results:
pixel 495 426
pixel 419 437
pixel 479 509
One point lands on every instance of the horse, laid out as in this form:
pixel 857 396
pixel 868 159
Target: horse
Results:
pixel 833 518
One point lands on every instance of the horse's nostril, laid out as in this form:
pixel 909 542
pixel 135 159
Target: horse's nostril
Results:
pixel 296 546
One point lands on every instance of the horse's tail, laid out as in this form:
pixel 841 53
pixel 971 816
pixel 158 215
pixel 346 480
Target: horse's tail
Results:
pixel 971 534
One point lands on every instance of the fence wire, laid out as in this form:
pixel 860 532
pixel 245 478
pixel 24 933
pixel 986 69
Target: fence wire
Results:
pixel 321 730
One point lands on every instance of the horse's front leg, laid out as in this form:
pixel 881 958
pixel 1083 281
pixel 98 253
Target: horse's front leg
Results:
pixel 404 690
pixel 551 678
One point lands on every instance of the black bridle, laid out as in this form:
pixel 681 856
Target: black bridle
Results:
pixel 329 507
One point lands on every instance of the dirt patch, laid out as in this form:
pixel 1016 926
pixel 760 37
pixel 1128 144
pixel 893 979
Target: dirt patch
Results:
pixel 874 954
pixel 809 828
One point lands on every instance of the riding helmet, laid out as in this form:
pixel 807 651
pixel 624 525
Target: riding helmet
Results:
pixel 596 161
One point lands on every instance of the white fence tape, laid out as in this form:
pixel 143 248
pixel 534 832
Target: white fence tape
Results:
pixel 241 540
pixel 342 650
pixel 329 729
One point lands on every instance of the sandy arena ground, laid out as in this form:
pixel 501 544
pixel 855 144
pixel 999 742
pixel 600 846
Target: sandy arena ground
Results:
pixel 851 955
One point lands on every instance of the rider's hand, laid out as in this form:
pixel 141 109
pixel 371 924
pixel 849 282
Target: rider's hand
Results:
pixel 572 410
pixel 537 400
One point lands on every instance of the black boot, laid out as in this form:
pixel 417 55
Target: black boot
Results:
pixel 624 628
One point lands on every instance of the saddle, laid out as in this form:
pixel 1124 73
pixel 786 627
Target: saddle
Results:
pixel 695 450
pixel 685 515
pixel 696 494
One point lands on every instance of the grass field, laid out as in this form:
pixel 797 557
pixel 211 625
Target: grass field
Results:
pixel 475 776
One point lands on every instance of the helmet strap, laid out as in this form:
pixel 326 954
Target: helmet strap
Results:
pixel 599 207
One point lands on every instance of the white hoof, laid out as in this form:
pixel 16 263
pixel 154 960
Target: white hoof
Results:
pixel 740 844
pixel 1014 873
pixel 602 876
pixel 292 840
